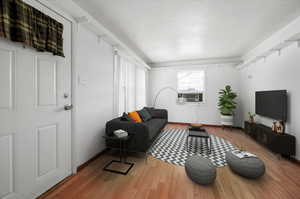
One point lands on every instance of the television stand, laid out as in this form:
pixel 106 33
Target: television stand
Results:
pixel 283 144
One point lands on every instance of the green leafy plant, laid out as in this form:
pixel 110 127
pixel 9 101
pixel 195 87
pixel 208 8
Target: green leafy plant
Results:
pixel 226 101
pixel 251 116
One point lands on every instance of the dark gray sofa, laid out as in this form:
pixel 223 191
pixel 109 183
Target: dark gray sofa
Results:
pixel 143 134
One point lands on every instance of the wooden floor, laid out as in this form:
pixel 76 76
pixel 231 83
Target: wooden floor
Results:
pixel 157 179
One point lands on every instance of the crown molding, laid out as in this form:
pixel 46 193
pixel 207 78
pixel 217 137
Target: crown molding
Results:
pixel 198 62
pixel 276 43
pixel 82 17
pixel 279 40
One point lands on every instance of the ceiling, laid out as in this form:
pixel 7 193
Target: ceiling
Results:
pixel 176 30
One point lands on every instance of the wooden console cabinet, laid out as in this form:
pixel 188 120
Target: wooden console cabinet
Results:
pixel 284 144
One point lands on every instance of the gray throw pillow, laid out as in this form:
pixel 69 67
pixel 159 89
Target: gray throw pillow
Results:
pixel 150 110
pixel 125 117
pixel 145 115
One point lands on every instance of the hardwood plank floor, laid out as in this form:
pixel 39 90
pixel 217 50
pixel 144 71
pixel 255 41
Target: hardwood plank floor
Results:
pixel 156 179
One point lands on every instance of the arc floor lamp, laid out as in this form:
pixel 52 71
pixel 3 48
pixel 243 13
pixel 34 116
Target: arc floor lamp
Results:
pixel 180 100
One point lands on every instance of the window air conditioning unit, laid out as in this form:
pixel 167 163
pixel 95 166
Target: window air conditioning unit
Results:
pixel 190 97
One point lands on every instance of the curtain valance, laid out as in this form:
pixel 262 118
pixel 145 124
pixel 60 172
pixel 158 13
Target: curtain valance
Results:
pixel 21 22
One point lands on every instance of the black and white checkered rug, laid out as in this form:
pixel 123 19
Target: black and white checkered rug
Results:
pixel 170 146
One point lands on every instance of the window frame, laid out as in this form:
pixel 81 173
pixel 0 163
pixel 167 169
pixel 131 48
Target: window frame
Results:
pixel 204 85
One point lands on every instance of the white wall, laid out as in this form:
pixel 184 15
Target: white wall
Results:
pixel 94 105
pixel 277 72
pixel 274 73
pixel 216 78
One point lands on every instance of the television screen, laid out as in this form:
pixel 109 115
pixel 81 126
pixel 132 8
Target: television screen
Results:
pixel 272 104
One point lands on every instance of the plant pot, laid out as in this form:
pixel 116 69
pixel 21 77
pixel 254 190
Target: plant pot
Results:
pixel 227 120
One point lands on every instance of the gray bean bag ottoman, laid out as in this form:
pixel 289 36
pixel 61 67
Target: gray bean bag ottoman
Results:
pixel 251 167
pixel 200 170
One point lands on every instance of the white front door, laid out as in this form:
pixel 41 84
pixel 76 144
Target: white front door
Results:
pixel 35 130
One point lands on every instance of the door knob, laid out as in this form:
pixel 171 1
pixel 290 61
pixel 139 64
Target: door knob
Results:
pixel 68 107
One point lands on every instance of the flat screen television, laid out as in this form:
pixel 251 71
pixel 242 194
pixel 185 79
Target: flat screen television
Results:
pixel 271 104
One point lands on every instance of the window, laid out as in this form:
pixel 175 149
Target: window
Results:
pixel 140 88
pixel 131 86
pixel 190 86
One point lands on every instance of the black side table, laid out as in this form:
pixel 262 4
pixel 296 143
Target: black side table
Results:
pixel 123 155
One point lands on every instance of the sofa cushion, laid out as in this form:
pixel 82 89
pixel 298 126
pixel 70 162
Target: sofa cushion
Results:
pixel 157 113
pixel 154 126
pixel 149 109
pixel 125 117
pixel 145 115
pixel 135 116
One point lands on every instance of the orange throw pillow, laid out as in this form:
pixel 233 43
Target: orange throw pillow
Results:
pixel 135 116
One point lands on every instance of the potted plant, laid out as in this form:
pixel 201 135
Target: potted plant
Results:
pixel 251 117
pixel 227 105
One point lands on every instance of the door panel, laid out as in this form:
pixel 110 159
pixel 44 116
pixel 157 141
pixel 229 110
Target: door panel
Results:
pixel 35 130
pixel 6 89
pixel 47 149
pixel 46 82
pixel 7 120
pixel 6 165
pixel 6 78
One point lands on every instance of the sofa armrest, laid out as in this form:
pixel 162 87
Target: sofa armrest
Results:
pixel 159 113
pixel 138 131
pixel 130 127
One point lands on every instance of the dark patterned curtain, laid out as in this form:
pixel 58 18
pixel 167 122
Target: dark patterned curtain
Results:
pixel 21 22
